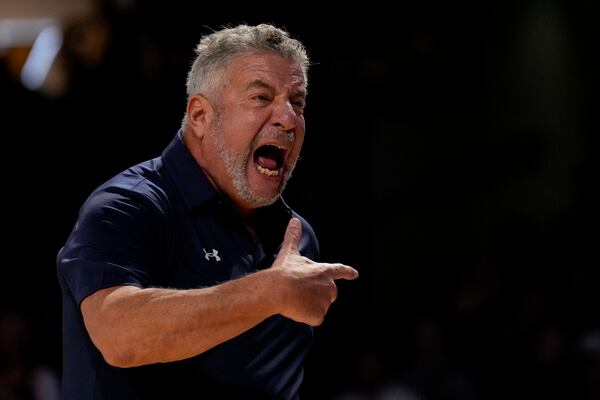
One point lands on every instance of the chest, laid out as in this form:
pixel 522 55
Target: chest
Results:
pixel 209 249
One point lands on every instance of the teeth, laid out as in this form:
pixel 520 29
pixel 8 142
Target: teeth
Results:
pixel 266 171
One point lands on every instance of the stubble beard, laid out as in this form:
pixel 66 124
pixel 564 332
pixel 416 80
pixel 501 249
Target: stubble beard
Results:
pixel 236 165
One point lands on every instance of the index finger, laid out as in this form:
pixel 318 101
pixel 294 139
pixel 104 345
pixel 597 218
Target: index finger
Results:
pixel 342 271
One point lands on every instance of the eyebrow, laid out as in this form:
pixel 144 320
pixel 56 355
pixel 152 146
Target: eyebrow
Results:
pixel 260 84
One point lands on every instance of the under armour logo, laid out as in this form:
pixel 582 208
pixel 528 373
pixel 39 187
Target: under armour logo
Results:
pixel 214 254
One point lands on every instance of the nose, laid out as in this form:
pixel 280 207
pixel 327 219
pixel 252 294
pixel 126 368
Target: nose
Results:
pixel 284 116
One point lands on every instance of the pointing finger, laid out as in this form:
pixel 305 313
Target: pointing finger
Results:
pixel 341 271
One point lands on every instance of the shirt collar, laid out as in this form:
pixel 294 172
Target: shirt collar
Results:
pixel 194 186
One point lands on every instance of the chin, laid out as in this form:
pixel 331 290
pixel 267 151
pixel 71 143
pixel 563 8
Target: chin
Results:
pixel 257 198
pixel 264 199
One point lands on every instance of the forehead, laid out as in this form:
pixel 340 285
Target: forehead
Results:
pixel 279 72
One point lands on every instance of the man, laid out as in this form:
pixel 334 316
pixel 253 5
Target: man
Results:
pixel 187 275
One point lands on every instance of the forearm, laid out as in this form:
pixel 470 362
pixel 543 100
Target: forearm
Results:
pixel 133 326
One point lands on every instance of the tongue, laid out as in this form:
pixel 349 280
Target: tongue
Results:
pixel 267 163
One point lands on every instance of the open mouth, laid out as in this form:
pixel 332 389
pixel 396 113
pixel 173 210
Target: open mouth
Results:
pixel 269 159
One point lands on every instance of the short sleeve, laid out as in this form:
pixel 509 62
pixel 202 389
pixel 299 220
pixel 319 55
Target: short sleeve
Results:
pixel 119 239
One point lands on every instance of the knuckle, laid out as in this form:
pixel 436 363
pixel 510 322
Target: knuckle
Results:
pixel 331 291
pixel 334 294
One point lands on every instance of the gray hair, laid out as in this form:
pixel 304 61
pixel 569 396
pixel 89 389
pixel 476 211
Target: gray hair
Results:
pixel 217 50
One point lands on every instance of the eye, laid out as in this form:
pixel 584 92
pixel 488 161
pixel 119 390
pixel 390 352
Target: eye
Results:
pixel 261 97
pixel 299 104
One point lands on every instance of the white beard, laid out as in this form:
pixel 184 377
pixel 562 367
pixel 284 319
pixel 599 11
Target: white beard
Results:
pixel 236 165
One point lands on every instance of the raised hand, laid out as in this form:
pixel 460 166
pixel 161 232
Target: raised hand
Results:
pixel 307 288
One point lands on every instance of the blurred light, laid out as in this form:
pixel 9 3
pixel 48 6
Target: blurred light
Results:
pixel 41 57
pixel 21 32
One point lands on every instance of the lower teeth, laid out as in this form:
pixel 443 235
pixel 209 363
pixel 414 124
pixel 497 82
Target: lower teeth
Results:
pixel 266 171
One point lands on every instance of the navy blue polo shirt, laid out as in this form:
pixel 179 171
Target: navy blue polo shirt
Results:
pixel 162 224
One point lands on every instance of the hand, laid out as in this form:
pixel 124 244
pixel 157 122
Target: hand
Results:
pixel 308 287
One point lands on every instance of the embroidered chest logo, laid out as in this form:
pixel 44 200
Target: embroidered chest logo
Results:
pixel 214 254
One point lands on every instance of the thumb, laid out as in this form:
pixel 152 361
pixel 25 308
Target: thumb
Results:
pixel 293 233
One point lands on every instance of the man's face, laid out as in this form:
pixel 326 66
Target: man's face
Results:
pixel 258 128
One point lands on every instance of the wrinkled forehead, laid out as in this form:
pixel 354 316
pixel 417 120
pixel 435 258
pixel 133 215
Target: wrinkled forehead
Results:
pixel 267 67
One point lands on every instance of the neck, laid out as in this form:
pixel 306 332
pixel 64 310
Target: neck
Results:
pixel 249 221
pixel 247 214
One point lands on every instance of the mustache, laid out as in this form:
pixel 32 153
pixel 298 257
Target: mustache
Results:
pixel 277 135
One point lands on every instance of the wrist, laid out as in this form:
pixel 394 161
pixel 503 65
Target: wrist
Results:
pixel 270 287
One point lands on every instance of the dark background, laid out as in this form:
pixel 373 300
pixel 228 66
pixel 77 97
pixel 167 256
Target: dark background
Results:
pixel 450 157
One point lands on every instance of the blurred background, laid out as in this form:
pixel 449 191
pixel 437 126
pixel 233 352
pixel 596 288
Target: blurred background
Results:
pixel 450 157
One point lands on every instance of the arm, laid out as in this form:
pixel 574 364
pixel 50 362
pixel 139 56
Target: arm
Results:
pixel 132 326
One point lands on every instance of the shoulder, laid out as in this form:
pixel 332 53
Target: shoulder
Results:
pixel 138 195
pixel 142 185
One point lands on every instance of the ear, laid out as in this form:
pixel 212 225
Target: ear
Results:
pixel 200 114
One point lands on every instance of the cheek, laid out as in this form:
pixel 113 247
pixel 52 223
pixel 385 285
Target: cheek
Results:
pixel 242 128
pixel 299 140
pixel 295 153
pixel 300 131
pixel 237 140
